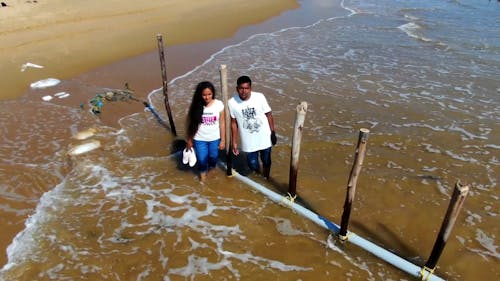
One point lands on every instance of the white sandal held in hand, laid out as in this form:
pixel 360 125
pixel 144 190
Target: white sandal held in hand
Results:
pixel 185 155
pixel 192 158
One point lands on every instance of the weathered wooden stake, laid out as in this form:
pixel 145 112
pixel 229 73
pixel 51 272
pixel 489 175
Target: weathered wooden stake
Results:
pixel 164 78
pixel 297 139
pixel 225 97
pixel 353 179
pixel 456 202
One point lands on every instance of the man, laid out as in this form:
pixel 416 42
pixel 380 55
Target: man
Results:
pixel 251 117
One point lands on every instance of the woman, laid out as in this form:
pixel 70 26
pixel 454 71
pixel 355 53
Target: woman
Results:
pixel 205 127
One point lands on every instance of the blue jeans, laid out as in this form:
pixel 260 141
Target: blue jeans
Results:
pixel 253 159
pixel 207 153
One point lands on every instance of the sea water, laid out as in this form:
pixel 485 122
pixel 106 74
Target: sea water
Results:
pixel 422 76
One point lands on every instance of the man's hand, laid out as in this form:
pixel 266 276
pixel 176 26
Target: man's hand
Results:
pixel 273 138
pixel 235 149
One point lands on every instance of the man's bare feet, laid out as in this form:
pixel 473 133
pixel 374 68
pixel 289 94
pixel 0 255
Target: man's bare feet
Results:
pixel 266 171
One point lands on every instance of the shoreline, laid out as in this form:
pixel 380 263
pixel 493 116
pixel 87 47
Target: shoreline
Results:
pixel 70 40
pixel 142 72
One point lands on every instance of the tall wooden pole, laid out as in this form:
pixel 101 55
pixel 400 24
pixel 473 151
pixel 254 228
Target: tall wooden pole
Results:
pixel 456 202
pixel 297 139
pixel 225 97
pixel 164 78
pixel 353 179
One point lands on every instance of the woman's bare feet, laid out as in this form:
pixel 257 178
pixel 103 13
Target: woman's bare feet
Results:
pixel 203 177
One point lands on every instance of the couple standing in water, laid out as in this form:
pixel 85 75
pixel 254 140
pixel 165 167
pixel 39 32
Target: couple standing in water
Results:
pixel 251 122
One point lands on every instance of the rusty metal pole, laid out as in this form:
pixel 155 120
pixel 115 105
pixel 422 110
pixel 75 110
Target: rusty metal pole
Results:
pixel 164 79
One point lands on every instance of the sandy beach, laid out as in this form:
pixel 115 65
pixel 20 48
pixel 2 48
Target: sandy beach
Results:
pixel 68 39
pixel 108 43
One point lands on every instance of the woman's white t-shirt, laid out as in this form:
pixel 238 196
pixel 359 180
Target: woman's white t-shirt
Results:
pixel 253 126
pixel 209 129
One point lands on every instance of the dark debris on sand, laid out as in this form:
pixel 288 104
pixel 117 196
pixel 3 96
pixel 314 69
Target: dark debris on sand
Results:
pixel 4 4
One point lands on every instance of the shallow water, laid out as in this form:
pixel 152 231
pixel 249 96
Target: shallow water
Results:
pixel 422 76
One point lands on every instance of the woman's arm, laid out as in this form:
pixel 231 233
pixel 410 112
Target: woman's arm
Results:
pixel 189 143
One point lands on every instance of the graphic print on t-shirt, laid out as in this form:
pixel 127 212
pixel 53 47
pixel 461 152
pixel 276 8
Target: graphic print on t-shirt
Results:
pixel 208 118
pixel 251 123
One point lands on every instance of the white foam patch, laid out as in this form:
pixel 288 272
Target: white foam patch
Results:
pixel 395 146
pixel 285 227
pixel 429 148
pixel 45 83
pixel 441 188
pixel 62 95
pixel 47 98
pixel 411 30
pixel 461 157
pixel 373 124
pixel 85 134
pixel 465 134
pixel 196 265
pixel 29 64
pixel 159 215
pixel 263 262
pixel 490 249
pixel 492 146
pixel 25 241
pixel 419 125
pixel 53 273
pixel 85 147
pixel 331 243
pixel 429 169
pixel 472 218
pixel 333 123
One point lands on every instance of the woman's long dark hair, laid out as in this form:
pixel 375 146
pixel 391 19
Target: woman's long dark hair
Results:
pixel 196 109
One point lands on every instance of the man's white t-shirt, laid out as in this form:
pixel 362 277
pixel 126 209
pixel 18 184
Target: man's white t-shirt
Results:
pixel 253 126
pixel 209 129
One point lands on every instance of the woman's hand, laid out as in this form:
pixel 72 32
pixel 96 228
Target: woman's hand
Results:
pixel 222 145
pixel 189 144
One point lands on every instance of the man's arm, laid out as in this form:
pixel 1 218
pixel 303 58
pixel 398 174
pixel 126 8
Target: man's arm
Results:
pixel 270 119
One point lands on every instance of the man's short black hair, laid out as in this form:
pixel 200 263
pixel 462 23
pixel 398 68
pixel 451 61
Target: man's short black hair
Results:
pixel 244 79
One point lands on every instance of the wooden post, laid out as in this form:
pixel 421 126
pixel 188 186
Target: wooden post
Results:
pixel 225 97
pixel 297 138
pixel 456 202
pixel 164 78
pixel 353 179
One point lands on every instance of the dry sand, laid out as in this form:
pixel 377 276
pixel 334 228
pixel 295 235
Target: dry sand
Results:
pixel 70 38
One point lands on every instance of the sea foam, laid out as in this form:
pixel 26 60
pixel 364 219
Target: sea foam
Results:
pixel 45 83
